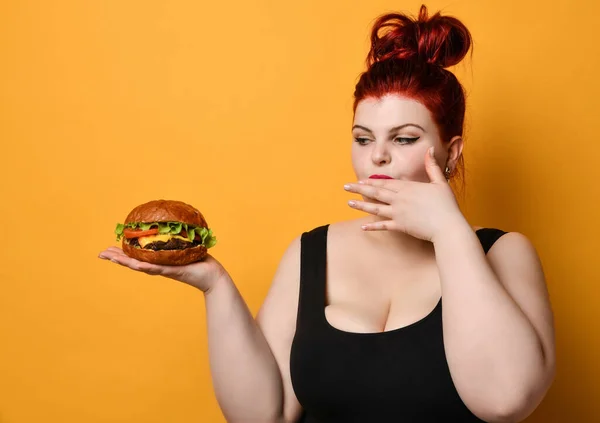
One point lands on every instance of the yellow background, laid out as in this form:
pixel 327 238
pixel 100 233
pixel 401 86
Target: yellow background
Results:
pixel 243 109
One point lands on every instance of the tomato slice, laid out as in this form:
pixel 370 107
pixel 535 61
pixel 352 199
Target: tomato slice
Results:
pixel 137 233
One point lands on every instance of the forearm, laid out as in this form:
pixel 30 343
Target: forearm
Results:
pixel 245 375
pixel 493 351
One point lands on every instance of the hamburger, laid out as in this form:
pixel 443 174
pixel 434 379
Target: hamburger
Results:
pixel 165 232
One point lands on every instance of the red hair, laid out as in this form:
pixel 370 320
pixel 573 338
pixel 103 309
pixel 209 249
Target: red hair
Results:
pixel 409 57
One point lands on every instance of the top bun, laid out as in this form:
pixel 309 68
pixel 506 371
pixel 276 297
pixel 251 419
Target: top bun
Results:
pixel 438 40
pixel 166 211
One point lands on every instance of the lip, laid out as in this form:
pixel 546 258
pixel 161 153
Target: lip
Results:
pixel 380 177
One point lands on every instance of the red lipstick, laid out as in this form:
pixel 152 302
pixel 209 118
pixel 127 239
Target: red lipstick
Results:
pixel 380 177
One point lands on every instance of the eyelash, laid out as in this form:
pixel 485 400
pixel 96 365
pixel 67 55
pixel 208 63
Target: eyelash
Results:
pixel 405 140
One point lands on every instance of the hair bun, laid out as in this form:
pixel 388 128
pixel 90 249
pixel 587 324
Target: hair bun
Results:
pixel 438 40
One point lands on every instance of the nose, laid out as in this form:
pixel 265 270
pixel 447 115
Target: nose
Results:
pixel 380 155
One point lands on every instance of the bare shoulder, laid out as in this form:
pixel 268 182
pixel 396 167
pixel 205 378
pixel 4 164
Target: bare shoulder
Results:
pixel 517 263
pixel 285 285
pixel 515 259
pixel 516 250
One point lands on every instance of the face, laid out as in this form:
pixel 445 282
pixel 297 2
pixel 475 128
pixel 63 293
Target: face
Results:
pixel 391 137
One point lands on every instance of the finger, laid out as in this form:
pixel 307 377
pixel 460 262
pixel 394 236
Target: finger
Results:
pixel 385 225
pixel 153 269
pixel 137 265
pixel 432 168
pixel 110 252
pixel 116 250
pixel 121 259
pixel 376 193
pixel 383 210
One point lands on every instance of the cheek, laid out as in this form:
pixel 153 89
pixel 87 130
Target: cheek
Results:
pixel 357 159
pixel 414 166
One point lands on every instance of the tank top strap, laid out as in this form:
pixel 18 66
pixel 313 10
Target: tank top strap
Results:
pixel 488 236
pixel 313 273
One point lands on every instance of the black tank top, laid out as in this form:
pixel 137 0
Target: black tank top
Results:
pixel 396 376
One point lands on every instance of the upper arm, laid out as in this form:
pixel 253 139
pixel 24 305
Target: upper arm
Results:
pixel 517 265
pixel 277 320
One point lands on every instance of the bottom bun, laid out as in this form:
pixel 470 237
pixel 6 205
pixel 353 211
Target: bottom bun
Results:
pixel 166 257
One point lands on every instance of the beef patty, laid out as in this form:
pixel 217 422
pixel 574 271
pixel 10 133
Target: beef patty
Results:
pixel 172 244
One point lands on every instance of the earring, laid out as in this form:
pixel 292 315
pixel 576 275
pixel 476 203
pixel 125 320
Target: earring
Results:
pixel 447 173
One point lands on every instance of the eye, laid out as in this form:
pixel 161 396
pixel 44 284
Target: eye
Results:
pixel 361 141
pixel 403 140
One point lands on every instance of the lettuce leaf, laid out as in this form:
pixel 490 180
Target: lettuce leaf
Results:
pixel 164 228
pixel 174 228
pixel 211 242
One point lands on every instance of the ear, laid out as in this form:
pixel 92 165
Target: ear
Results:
pixel 455 148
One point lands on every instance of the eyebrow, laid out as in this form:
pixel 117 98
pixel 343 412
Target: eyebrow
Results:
pixel 395 128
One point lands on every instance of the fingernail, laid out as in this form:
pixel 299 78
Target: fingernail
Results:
pixel 346 187
pixel 114 261
pixel 102 256
pixel 431 153
pixel 352 203
pixel 361 182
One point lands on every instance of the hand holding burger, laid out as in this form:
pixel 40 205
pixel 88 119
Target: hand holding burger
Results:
pixel 169 238
pixel 165 232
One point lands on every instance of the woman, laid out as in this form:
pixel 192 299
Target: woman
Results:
pixel 353 328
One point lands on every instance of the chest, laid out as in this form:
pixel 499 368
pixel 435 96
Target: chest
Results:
pixel 376 361
pixel 369 291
